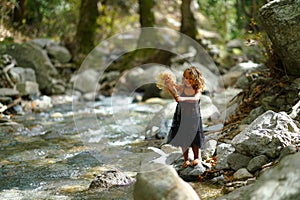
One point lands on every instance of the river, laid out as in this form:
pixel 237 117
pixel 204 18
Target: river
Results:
pixel 55 154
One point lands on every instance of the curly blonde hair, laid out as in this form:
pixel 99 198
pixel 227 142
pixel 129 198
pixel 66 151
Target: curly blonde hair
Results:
pixel 197 77
pixel 162 77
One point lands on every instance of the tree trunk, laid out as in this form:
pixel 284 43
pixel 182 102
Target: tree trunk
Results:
pixel 147 19
pixel 147 39
pixel 18 14
pixel 188 22
pixel 33 14
pixel 146 13
pixel 86 28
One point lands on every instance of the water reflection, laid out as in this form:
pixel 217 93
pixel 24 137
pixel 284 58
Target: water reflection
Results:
pixel 47 156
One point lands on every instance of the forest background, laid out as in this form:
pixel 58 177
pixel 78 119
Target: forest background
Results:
pixel 231 31
pixel 81 25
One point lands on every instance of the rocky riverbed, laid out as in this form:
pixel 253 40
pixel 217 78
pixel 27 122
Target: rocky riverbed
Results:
pixel 85 134
pixel 48 154
pixel 65 146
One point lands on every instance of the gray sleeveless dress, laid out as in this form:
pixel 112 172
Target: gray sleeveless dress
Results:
pixel 186 129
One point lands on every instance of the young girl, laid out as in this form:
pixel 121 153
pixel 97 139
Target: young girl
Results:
pixel 186 130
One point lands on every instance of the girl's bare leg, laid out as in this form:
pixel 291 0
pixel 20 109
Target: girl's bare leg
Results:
pixel 195 149
pixel 186 162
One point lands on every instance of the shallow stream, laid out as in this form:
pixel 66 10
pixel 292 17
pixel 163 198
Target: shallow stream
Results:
pixel 56 154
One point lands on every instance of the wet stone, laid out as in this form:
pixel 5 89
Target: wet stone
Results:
pixel 257 162
pixel 8 92
pixel 111 178
pixel 6 100
pixel 237 161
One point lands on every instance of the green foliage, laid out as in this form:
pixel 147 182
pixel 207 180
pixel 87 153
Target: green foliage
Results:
pixel 54 18
pixel 115 17
pixel 59 18
pixel 6 7
pixel 47 9
pixel 232 18
pixel 223 16
pixel 4 44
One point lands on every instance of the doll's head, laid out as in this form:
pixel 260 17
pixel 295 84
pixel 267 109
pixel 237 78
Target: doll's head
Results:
pixel 163 77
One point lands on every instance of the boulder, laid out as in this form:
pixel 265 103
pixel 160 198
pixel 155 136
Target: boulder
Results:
pixel 111 178
pixel 162 183
pixel 280 19
pixel 28 88
pixel 242 174
pixel 209 112
pixel 237 161
pixel 32 56
pixel 8 92
pixel 21 75
pixel 86 81
pixel 257 162
pixel 159 124
pixel 281 183
pixel 59 53
pixel 223 150
pixel 42 42
pixel 267 135
pixel 210 149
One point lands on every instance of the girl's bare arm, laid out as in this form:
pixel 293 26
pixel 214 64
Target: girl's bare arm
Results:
pixel 174 89
pixel 194 98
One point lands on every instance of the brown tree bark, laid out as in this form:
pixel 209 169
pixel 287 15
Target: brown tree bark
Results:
pixel 188 21
pixel 147 18
pixel 147 39
pixel 18 14
pixel 85 34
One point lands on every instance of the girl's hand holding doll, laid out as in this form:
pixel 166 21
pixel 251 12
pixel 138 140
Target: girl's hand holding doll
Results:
pixel 178 98
pixel 169 83
pixel 166 80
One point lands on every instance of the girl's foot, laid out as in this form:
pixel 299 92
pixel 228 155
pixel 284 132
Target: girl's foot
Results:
pixel 186 164
pixel 195 162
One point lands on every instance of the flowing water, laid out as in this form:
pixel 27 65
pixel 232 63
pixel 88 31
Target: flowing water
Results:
pixel 56 154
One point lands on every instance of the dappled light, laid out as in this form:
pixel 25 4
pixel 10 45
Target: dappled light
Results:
pixel 181 99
